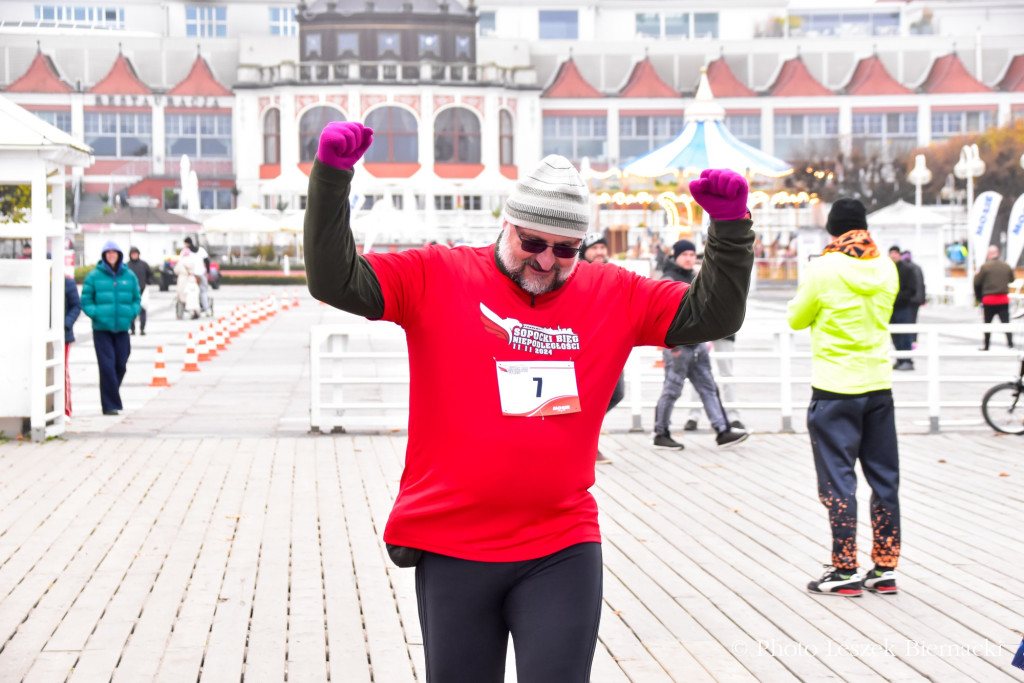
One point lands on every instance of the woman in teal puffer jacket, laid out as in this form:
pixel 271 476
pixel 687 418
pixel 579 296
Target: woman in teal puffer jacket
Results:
pixel 111 298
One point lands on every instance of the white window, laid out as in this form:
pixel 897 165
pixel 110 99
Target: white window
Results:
pixel 430 45
pixel 639 135
pixel 575 137
pixel 119 134
pixel 95 17
pixel 950 123
pixel 559 25
pixel 802 137
pixel 487 24
pixel 282 21
pixel 59 119
pixel 387 44
pixel 886 135
pixel 203 136
pixel 746 128
pixel 461 47
pixel 205 21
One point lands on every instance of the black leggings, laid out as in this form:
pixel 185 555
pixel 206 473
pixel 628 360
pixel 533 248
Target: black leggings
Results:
pixel 1002 311
pixel 550 605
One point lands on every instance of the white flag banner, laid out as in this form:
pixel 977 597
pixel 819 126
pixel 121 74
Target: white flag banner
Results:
pixel 1015 232
pixel 979 224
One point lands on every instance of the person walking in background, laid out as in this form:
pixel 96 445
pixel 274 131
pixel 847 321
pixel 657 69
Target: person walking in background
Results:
pixel 198 265
pixel 514 351
pixel 110 296
pixel 920 295
pixel 689 362
pixel 992 289
pixel 72 309
pixel 903 308
pixel 846 297
pixel 725 345
pixel 144 274
pixel 595 250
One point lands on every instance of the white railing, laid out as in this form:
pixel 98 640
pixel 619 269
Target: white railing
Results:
pixel 374 394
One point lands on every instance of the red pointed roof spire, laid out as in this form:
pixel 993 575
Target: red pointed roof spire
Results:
pixel 794 80
pixel 723 81
pixel 871 78
pixel 644 81
pixel 121 80
pixel 949 75
pixel 1013 80
pixel 41 76
pixel 200 81
pixel 570 83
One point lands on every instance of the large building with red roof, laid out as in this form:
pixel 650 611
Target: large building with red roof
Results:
pixel 463 94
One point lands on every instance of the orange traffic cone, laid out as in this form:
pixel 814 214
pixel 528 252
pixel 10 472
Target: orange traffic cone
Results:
pixel 159 370
pixel 190 356
pixel 284 303
pixel 201 346
pixel 219 337
pixel 211 343
pixel 295 299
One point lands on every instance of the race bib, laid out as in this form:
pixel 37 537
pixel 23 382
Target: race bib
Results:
pixel 537 388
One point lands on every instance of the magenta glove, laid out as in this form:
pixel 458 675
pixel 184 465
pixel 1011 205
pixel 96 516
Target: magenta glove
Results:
pixel 721 193
pixel 343 143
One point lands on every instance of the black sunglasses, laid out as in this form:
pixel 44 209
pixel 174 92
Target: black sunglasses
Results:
pixel 539 246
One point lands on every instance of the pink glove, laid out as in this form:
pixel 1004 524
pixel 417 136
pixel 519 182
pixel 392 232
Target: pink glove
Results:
pixel 343 143
pixel 721 193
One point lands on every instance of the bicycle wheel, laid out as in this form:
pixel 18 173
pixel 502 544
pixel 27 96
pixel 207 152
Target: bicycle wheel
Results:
pixel 1003 408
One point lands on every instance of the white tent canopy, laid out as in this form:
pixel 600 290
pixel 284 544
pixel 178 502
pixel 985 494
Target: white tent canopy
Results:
pixel 292 181
pixel 704 143
pixel 903 213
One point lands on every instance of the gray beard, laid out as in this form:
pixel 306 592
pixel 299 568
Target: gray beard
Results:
pixel 516 269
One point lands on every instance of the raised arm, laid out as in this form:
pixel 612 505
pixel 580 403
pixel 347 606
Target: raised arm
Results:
pixel 715 304
pixel 335 273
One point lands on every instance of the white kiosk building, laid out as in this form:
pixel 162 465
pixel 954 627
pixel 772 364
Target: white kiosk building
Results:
pixel 34 153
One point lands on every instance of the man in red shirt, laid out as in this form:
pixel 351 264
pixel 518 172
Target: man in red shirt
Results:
pixel 514 352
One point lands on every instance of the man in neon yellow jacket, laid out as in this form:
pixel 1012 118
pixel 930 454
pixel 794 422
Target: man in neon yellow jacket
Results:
pixel 846 298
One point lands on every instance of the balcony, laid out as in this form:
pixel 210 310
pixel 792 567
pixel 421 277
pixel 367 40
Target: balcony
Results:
pixel 358 71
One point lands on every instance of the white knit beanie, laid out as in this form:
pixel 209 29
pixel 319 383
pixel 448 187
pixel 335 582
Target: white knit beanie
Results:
pixel 552 198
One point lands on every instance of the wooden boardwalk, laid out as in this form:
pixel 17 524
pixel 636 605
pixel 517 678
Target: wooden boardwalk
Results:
pixel 259 559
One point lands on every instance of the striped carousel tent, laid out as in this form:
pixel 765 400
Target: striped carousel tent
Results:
pixel 705 142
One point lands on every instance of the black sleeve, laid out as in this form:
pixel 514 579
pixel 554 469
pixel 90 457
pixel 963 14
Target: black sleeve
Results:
pixel 716 303
pixel 335 273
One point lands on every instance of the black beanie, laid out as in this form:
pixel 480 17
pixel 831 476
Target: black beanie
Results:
pixel 681 246
pixel 590 240
pixel 847 214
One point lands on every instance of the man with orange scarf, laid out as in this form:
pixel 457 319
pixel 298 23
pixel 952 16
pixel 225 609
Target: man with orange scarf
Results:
pixel 846 298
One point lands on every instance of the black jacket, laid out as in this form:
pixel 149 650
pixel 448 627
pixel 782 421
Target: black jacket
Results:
pixel 143 273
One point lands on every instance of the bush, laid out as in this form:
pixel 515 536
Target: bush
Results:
pixel 82 271
pixel 226 268
pixel 263 280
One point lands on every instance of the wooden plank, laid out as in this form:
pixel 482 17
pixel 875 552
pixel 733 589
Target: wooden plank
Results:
pixel 225 656
pixel 192 624
pixel 737 561
pixel 32 527
pixel 94 599
pixel 363 490
pixel 72 557
pixel 267 653
pixel 147 647
pixel 346 637
pixel 883 634
pixel 307 641
pixel 50 667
